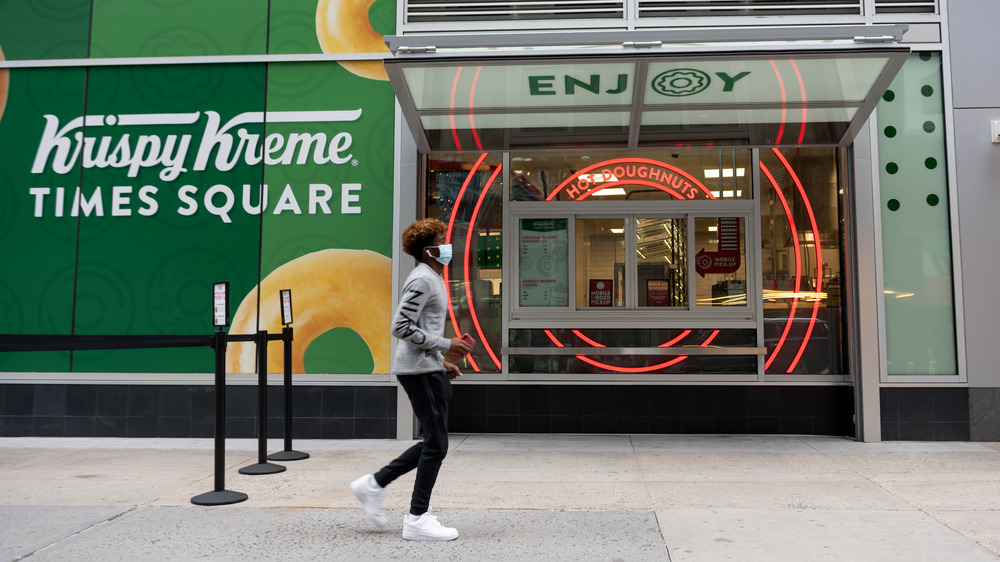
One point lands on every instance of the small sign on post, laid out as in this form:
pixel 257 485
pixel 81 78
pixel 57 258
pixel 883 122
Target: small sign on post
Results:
pixel 286 306
pixel 220 304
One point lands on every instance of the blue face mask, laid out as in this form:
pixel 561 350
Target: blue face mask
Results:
pixel 444 253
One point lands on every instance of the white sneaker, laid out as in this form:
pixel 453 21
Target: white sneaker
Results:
pixel 370 495
pixel 426 528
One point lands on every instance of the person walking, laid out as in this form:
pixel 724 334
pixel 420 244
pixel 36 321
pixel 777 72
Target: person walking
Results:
pixel 425 376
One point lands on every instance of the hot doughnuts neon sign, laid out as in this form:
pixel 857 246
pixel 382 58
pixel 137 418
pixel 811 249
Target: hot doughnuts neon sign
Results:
pixel 631 171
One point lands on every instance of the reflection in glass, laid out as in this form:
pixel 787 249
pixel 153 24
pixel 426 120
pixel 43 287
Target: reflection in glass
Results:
pixel 720 261
pixel 600 263
pixel 661 249
pixel 477 230
pixel 802 267
pixel 596 177
pixel 632 363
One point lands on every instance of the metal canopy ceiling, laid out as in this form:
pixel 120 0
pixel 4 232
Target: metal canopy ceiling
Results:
pixel 723 87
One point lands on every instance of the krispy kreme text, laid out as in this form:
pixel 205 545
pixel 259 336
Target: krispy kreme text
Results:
pixel 219 200
pixel 65 145
pixel 223 146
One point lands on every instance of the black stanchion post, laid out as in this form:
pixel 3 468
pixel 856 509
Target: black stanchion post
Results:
pixel 220 496
pixel 288 454
pixel 262 466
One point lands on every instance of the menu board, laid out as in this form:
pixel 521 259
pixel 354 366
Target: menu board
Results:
pixel 543 273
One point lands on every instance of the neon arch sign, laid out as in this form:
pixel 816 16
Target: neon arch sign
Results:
pixel 673 190
pixel 620 172
pixel 649 173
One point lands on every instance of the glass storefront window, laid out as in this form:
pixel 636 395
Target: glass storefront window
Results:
pixel 661 252
pixel 682 267
pixel 802 258
pixel 543 272
pixel 636 362
pixel 600 263
pixel 720 261
pixel 636 175
pixel 465 192
pixel 916 231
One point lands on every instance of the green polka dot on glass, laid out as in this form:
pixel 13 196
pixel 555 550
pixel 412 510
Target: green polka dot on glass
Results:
pixel 929 126
pixel 892 167
pixel 927 91
pixel 893 204
pixel 889 95
pixel 931 163
pixel 933 200
pixel 890 132
pixel 925 56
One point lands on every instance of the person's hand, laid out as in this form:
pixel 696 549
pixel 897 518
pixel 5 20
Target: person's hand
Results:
pixel 459 347
pixel 451 370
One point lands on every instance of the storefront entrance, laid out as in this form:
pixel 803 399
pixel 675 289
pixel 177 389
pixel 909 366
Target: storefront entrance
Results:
pixel 646 242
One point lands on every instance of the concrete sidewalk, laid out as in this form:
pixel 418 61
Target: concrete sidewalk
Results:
pixel 512 497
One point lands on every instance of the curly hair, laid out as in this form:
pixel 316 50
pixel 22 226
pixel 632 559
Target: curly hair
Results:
pixel 420 234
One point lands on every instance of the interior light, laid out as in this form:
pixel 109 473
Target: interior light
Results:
pixel 727 193
pixel 609 192
pixel 600 177
pixel 714 194
pixel 617 230
pixel 725 172
pixel 713 229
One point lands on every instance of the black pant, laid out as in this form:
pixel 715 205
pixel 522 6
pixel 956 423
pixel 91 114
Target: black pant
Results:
pixel 429 395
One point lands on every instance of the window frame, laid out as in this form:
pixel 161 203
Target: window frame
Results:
pixel 633 315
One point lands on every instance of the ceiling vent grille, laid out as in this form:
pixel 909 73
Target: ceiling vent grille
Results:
pixel 746 8
pixel 476 15
pixel 905 6
pixel 430 11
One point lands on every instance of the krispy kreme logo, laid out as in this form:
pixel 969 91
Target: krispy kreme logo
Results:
pixel 83 142
pixel 65 145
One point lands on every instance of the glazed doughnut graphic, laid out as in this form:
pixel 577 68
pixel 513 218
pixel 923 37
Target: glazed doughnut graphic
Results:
pixel 330 289
pixel 4 85
pixel 343 26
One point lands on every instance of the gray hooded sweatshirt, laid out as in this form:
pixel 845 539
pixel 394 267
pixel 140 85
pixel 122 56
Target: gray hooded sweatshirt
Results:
pixel 419 324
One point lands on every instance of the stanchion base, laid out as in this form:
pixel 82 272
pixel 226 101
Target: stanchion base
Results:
pixel 288 456
pixel 262 468
pixel 225 497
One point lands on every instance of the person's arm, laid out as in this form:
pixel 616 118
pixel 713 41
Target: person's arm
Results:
pixel 404 321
